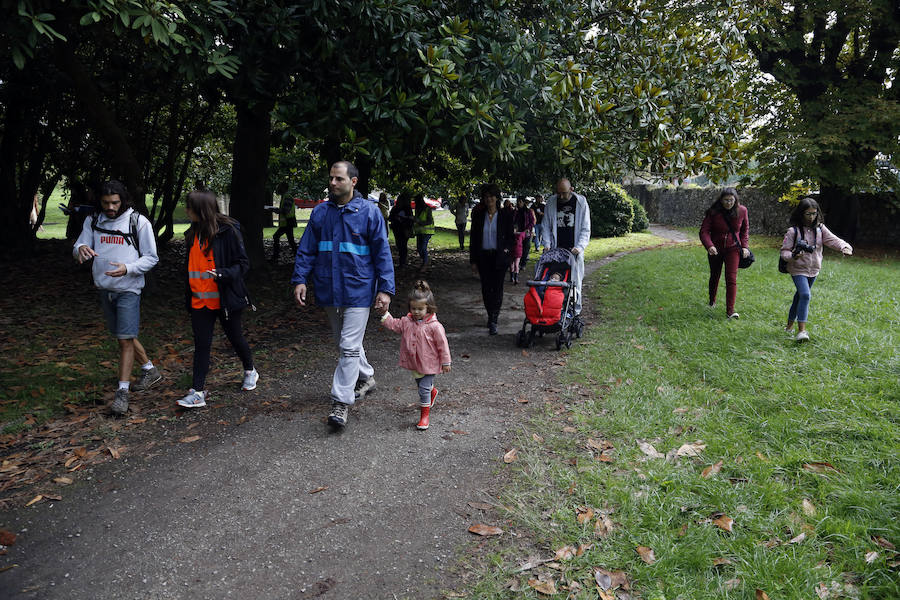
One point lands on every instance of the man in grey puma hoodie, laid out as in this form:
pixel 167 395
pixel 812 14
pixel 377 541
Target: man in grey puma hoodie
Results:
pixel 112 243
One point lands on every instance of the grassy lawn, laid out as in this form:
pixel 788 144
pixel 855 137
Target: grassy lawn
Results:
pixel 787 486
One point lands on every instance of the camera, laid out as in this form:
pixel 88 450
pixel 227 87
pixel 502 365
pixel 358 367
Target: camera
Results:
pixel 803 246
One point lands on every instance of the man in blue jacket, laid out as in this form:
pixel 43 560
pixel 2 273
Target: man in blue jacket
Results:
pixel 345 252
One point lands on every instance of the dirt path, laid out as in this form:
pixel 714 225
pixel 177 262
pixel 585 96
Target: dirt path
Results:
pixel 268 504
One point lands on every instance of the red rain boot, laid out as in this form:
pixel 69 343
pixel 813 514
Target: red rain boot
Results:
pixel 425 410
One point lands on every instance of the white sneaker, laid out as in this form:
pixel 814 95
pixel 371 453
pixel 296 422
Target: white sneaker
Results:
pixel 363 387
pixel 802 336
pixel 734 315
pixel 194 399
pixel 250 379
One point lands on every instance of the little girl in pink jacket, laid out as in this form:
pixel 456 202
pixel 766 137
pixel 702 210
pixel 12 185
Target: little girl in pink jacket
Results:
pixel 423 345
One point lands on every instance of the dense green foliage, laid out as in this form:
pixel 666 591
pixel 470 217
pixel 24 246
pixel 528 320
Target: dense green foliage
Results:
pixel 612 210
pixel 641 220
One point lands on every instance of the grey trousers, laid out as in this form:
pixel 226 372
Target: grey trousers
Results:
pixel 348 325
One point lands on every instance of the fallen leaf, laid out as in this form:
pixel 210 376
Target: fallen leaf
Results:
pixel 761 595
pixel 511 456
pixel 34 500
pixel 721 561
pixel 481 529
pixel 603 579
pixel 648 449
pixel 52 497
pixel 192 425
pixel 459 432
pixel 711 470
pixel 571 489
pixel 321 488
pixel 537 438
pixel 531 563
pixel 137 421
pixel 683 531
pixel 114 452
pixel 732 583
pixel 7 538
pixel 606 456
pixel 610 580
pixel 819 467
pixel 870 556
pixel 522 400
pixel 681 410
pixel 603 527
pixel 481 505
pixel 797 539
pixel 693 449
pixel 569 429
pixel 882 542
pixel 189 439
pixel 606 595
pixel 761 457
pixel 724 522
pixel 599 444
pixel 809 509
pixel 584 514
pixel 565 553
pixel 822 591
pixel 646 554
pixel 63 480
pixel 582 548
pixel 547 588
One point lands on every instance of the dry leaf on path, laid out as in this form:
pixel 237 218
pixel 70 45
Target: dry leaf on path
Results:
pixel 62 480
pixel 114 452
pixel 547 588
pixel 648 449
pixel 481 505
pixel 7 538
pixel 711 470
pixel 189 439
pixel 511 456
pixel 482 529
pixel 646 554
pixel 321 488
pixel 35 500
pixel 724 522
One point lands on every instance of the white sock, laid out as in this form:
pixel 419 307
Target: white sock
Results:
pixel 124 385
pixel 253 370
pixel 148 366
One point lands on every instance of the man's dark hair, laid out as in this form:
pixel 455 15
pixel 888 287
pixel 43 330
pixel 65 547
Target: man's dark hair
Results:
pixel 115 187
pixel 352 171
pixel 491 189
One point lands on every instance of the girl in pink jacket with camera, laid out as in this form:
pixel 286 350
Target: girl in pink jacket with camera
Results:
pixel 423 345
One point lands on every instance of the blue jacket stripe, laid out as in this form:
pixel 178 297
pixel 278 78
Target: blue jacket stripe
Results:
pixel 325 246
pixel 353 248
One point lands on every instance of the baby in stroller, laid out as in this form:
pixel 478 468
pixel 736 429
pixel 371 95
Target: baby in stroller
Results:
pixel 550 301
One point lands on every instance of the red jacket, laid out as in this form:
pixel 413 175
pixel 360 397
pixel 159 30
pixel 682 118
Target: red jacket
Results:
pixel 714 230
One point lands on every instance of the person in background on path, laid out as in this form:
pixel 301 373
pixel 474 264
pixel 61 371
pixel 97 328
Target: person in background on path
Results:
pixel 287 221
pixel 802 249
pixel 520 241
pixel 423 345
pixel 524 224
pixel 384 205
pixel 538 207
pixel 725 235
pixel 423 228
pixel 567 224
pixel 490 248
pixel 215 265
pixel 461 215
pixel 122 254
pixel 345 252
pixel 401 222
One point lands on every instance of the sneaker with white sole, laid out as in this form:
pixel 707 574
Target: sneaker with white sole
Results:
pixel 250 379
pixel 734 315
pixel 339 413
pixel 148 378
pixel 194 399
pixel 802 336
pixel 363 387
pixel 119 404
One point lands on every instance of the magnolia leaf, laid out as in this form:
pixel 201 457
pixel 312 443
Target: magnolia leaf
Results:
pixel 882 542
pixel 693 449
pixel 646 554
pixel 511 456
pixel 819 467
pixel 481 529
pixel 584 514
pixel 724 522
pixel 603 527
pixel 648 449
pixel 547 588
pixel 721 561
pixel 732 583
pixel 189 439
pixel 761 595
pixel 797 539
pixel 711 470
pixel 565 553
pixel 62 480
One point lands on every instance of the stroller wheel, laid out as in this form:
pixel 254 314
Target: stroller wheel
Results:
pixel 559 340
pixel 569 340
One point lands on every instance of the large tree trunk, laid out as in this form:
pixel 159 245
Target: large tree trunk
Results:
pixel 249 173
pixel 841 210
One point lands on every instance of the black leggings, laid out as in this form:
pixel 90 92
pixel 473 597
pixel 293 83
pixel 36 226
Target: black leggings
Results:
pixel 202 322
pixel 492 277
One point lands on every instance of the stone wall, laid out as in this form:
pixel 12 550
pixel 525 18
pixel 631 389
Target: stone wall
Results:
pixel 685 207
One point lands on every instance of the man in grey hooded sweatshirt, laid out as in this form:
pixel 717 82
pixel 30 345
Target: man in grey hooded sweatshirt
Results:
pixel 122 246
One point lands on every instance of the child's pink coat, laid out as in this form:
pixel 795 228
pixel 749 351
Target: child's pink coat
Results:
pixel 423 344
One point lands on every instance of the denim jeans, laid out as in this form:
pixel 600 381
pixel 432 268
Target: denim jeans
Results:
pixel 422 246
pixel 800 306
pixel 123 313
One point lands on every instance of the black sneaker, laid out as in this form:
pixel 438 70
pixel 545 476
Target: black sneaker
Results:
pixel 148 378
pixel 363 387
pixel 338 416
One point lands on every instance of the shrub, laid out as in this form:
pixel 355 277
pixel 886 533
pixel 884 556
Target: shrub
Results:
pixel 641 220
pixel 612 210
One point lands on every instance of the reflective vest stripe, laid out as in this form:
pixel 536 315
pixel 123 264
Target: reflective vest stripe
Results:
pixel 199 275
pixel 204 294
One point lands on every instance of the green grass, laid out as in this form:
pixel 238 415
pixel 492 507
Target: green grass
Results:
pixel 658 365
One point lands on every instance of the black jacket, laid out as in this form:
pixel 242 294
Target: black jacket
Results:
pixel 505 235
pixel 231 266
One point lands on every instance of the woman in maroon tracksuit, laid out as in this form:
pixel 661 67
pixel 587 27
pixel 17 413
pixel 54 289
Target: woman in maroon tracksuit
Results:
pixel 722 247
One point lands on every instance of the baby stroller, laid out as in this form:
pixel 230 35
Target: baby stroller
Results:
pixel 550 301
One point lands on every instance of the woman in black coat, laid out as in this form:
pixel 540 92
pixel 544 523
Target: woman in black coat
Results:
pixel 490 249
pixel 216 263
pixel 400 220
